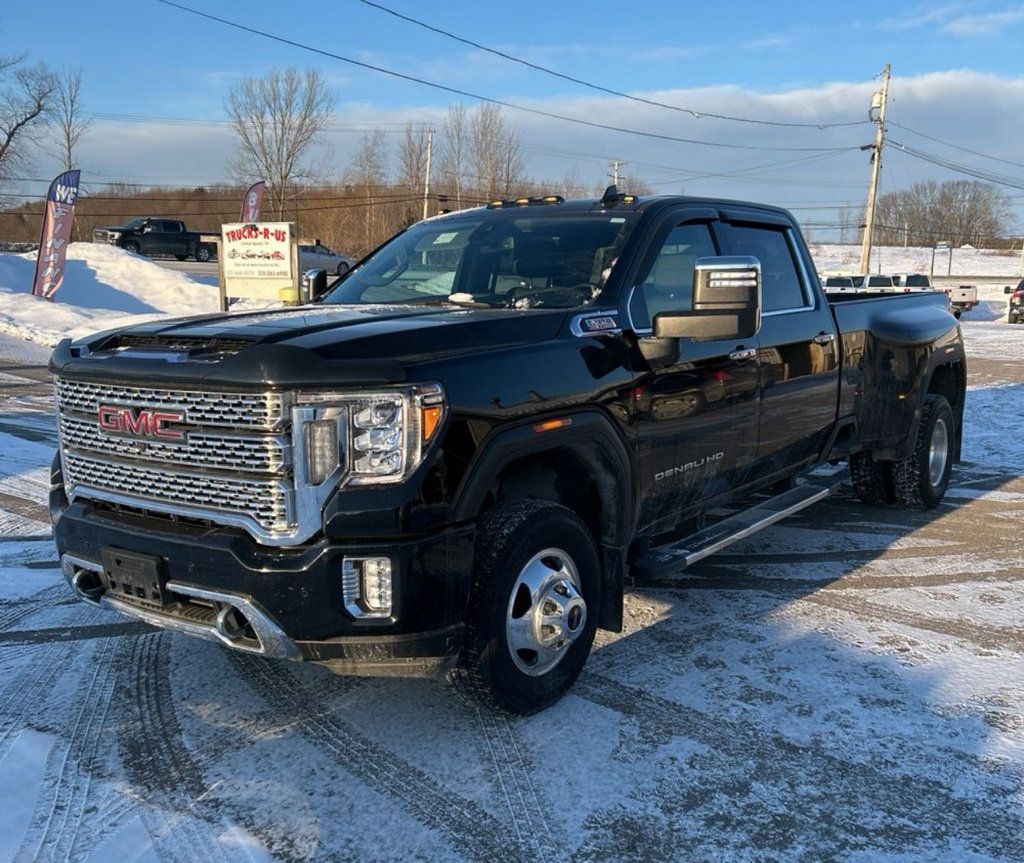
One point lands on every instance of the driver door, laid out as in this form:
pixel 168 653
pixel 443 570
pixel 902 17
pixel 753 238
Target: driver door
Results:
pixel 696 402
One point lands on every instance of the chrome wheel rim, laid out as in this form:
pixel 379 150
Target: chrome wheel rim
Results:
pixel 938 453
pixel 546 612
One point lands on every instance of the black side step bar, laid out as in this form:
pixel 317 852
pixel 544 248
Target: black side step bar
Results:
pixel 676 556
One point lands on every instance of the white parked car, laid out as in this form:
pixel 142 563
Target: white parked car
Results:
pixel 316 256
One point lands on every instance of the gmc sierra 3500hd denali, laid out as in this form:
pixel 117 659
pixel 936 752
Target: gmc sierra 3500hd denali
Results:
pixel 452 460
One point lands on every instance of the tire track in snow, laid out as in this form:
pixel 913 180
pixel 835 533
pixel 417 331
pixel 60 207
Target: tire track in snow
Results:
pixel 69 796
pixel 896 806
pixel 158 764
pixel 512 780
pixel 469 828
pixel 967 632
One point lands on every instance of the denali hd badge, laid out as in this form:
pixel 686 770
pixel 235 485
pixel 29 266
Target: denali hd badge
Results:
pixel 140 422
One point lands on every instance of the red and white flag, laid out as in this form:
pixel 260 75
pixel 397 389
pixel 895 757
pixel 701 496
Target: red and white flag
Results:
pixel 56 234
pixel 252 203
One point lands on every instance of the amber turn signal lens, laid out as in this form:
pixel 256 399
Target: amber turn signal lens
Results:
pixel 431 420
pixel 550 425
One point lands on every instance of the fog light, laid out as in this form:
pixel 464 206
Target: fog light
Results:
pixel 366 583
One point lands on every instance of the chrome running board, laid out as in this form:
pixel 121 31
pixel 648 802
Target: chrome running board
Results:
pixel 676 556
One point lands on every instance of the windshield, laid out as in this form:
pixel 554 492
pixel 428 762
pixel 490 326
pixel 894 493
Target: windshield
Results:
pixel 135 223
pixel 492 259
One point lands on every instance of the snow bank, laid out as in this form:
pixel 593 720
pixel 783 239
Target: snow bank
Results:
pixel 997 263
pixel 104 286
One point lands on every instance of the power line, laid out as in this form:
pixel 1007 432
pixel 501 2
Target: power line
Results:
pixel 956 146
pixel 949 164
pixel 695 114
pixel 444 87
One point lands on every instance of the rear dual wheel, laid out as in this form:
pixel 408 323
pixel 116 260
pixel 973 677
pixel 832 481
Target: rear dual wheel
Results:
pixel 920 480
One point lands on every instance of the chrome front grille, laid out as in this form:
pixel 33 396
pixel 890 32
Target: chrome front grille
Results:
pixel 252 453
pixel 233 465
pixel 265 410
pixel 265 501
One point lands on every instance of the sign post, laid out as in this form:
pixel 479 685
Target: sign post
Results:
pixel 259 260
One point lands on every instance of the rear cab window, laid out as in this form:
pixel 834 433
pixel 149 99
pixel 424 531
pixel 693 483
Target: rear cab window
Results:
pixel 782 288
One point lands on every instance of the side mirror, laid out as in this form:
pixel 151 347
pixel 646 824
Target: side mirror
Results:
pixel 312 286
pixel 1007 290
pixel 726 302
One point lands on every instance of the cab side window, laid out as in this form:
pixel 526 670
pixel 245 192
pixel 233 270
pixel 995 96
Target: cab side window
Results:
pixel 780 282
pixel 667 285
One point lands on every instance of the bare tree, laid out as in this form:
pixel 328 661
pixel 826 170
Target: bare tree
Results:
pixel 957 211
pixel 67 113
pixel 454 158
pixel 26 101
pixel 412 158
pixel 496 156
pixel 368 175
pixel 278 119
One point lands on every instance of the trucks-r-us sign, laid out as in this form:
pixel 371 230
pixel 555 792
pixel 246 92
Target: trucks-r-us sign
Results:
pixel 259 261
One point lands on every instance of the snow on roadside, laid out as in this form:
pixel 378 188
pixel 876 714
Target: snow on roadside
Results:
pixel 918 259
pixel 103 287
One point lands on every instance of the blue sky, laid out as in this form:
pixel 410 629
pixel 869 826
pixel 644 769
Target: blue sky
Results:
pixel 957 68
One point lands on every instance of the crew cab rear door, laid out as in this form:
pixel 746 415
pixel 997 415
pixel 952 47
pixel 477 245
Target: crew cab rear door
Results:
pixel 798 349
pixel 696 401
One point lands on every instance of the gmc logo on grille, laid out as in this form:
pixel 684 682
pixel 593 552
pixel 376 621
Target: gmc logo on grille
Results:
pixel 140 422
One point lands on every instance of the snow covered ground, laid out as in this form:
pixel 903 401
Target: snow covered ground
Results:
pixel 104 286
pixel 847 685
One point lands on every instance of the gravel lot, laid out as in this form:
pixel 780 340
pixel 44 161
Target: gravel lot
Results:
pixel 847 685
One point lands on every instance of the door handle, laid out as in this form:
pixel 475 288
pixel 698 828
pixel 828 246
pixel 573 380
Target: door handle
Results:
pixel 742 353
pixel 824 338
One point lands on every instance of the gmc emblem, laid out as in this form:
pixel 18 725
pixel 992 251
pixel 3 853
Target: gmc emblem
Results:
pixel 140 422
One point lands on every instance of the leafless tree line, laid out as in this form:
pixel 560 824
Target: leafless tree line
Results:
pixel 955 211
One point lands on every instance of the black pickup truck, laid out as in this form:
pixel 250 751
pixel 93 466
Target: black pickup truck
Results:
pixel 158 236
pixel 456 459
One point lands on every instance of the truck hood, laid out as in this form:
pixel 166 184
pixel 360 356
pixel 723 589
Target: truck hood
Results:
pixel 313 345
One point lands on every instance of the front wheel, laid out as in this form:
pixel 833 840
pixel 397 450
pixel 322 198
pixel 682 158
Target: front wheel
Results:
pixel 920 481
pixel 132 247
pixel 342 268
pixel 530 623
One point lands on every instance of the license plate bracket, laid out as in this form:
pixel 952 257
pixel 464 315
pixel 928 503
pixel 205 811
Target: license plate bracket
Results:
pixel 134 576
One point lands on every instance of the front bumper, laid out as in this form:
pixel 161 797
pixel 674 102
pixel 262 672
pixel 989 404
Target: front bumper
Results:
pixel 276 602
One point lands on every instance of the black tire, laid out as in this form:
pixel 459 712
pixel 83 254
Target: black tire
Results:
pixel 872 479
pixel 203 254
pixel 957 313
pixel 181 257
pixel 915 483
pixel 342 268
pixel 131 247
pixel 508 538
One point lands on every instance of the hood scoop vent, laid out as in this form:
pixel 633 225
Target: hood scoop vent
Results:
pixel 172 348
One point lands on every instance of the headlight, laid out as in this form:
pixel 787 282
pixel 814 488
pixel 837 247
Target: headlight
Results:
pixel 368 438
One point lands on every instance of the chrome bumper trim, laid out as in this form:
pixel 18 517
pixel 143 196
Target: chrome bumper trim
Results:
pixel 271 640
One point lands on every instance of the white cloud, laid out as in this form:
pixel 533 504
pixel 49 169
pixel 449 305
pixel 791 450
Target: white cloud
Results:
pixel 986 23
pixel 968 108
pixel 923 16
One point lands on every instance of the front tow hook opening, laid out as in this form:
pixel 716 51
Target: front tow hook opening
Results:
pixel 233 626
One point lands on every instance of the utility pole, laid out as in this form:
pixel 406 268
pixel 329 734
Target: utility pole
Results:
pixel 426 180
pixel 878 101
pixel 615 165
